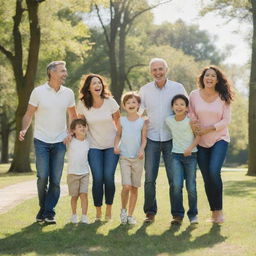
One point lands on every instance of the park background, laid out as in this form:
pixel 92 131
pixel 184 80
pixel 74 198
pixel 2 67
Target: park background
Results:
pixel 117 39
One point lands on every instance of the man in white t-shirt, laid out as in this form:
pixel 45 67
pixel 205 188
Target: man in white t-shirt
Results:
pixel 49 103
pixel 156 98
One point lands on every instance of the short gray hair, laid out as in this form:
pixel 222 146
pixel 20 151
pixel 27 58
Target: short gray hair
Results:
pixel 153 60
pixel 52 66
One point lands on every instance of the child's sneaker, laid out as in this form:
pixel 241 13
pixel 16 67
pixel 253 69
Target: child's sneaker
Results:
pixel 193 220
pixel 84 219
pixel 74 219
pixel 123 216
pixel 131 220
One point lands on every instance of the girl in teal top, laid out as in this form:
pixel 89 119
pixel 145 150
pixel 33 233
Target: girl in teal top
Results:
pixel 183 162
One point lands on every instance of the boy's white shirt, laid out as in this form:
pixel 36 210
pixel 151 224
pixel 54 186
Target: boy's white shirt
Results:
pixel 78 157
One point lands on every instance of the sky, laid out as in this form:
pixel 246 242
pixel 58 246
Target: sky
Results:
pixel 234 33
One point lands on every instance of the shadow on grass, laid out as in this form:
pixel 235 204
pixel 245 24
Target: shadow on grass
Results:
pixel 240 188
pixel 85 240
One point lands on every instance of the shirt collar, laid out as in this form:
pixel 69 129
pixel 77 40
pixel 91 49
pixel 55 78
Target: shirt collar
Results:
pixel 50 88
pixel 163 86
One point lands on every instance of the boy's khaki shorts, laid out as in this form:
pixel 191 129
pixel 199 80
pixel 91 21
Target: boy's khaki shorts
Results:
pixel 77 184
pixel 131 171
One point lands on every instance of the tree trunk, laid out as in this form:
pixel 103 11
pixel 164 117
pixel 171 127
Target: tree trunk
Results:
pixel 22 149
pixel 25 84
pixel 122 64
pixel 252 101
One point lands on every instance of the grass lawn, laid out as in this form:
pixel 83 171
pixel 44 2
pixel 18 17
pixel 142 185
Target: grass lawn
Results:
pixel 7 179
pixel 20 236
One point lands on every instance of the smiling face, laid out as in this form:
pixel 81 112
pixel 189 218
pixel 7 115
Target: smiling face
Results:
pixel 210 79
pixel 80 131
pixel 158 71
pixel 131 105
pixel 59 74
pixel 95 87
pixel 179 107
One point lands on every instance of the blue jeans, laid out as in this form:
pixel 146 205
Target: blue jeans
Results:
pixel 103 166
pixel 183 168
pixel 153 152
pixel 210 161
pixel 49 166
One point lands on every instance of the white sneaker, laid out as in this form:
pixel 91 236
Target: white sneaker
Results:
pixel 74 219
pixel 84 219
pixel 194 220
pixel 131 220
pixel 123 216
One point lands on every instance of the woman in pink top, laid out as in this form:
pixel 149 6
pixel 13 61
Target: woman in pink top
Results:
pixel 210 111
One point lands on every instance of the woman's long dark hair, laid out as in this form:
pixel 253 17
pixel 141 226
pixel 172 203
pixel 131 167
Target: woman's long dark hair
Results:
pixel 223 86
pixel 85 94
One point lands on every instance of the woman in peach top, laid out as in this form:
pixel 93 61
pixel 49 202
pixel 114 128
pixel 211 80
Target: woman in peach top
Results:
pixel 210 110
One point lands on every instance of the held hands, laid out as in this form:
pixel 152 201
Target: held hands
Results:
pixel 141 154
pixel 68 139
pixel 117 150
pixel 22 135
pixel 199 130
pixel 187 152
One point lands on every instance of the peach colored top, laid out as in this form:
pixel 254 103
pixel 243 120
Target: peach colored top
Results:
pixel 216 113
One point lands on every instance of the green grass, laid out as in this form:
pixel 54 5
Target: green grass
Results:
pixel 20 236
pixel 7 178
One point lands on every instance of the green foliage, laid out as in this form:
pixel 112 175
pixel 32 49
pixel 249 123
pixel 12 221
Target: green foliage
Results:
pixel 189 38
pixel 238 128
pixel 228 8
pixel 64 35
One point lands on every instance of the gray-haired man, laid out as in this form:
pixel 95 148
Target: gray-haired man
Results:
pixel 49 103
pixel 156 98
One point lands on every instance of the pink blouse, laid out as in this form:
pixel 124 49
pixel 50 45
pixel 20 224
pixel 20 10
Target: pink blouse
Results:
pixel 216 113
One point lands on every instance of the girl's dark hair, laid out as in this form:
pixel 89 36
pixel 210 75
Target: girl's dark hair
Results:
pixel 86 96
pixel 77 121
pixel 223 86
pixel 180 96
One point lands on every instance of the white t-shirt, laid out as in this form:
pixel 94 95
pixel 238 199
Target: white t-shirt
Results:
pixel 78 157
pixel 102 131
pixel 50 116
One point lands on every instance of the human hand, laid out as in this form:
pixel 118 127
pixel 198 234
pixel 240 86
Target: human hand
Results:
pixel 187 152
pixel 68 139
pixel 195 125
pixel 22 135
pixel 141 155
pixel 117 150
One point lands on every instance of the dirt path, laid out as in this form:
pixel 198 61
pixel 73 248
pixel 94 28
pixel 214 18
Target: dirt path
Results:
pixel 18 193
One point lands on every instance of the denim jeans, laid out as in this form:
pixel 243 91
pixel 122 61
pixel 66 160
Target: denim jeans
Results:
pixel 49 166
pixel 210 161
pixel 183 168
pixel 103 166
pixel 153 152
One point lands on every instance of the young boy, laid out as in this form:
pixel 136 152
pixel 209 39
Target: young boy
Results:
pixel 183 161
pixel 131 134
pixel 78 169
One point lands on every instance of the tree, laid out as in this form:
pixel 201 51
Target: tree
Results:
pixel 122 14
pixel 7 109
pixel 244 10
pixel 24 74
pixel 189 38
